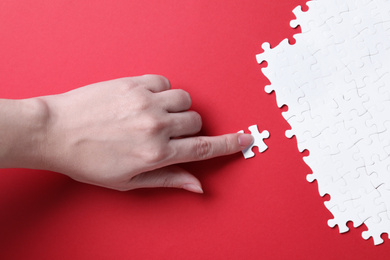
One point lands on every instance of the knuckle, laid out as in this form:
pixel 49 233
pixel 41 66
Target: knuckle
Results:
pixel 203 149
pixel 167 182
pixel 127 83
pixel 152 124
pixel 227 146
pixel 155 155
pixel 143 103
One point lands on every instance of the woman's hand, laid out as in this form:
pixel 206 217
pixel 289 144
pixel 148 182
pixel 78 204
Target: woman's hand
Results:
pixel 128 133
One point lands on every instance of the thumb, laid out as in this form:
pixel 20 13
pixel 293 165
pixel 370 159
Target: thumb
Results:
pixel 169 177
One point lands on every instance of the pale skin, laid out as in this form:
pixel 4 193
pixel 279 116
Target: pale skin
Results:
pixel 121 134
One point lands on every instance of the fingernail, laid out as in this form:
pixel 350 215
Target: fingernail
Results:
pixel 245 140
pixel 193 188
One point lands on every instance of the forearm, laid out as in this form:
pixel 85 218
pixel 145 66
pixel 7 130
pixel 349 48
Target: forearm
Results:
pixel 22 133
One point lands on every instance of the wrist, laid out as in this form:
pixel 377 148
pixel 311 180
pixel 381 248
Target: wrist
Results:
pixel 23 133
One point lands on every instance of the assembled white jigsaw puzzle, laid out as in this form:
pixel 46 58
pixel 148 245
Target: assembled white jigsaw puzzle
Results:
pixel 258 141
pixel 335 81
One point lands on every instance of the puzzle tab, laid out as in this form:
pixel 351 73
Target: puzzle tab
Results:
pixel 258 142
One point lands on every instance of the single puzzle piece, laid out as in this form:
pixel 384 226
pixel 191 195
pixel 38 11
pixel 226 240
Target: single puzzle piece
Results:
pixel 258 141
pixel 335 82
pixel 375 228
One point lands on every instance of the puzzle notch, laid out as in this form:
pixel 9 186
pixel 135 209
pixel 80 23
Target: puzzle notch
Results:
pixel 258 141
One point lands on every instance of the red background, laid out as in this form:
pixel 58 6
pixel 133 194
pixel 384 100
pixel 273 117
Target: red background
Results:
pixel 251 209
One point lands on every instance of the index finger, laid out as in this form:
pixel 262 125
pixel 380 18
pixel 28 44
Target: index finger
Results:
pixel 203 147
pixel 154 83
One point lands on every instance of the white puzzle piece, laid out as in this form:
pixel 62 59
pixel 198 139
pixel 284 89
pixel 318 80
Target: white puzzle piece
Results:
pixel 258 141
pixel 335 81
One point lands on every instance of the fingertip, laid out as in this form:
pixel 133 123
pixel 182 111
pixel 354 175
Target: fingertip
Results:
pixel 245 140
pixel 193 188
